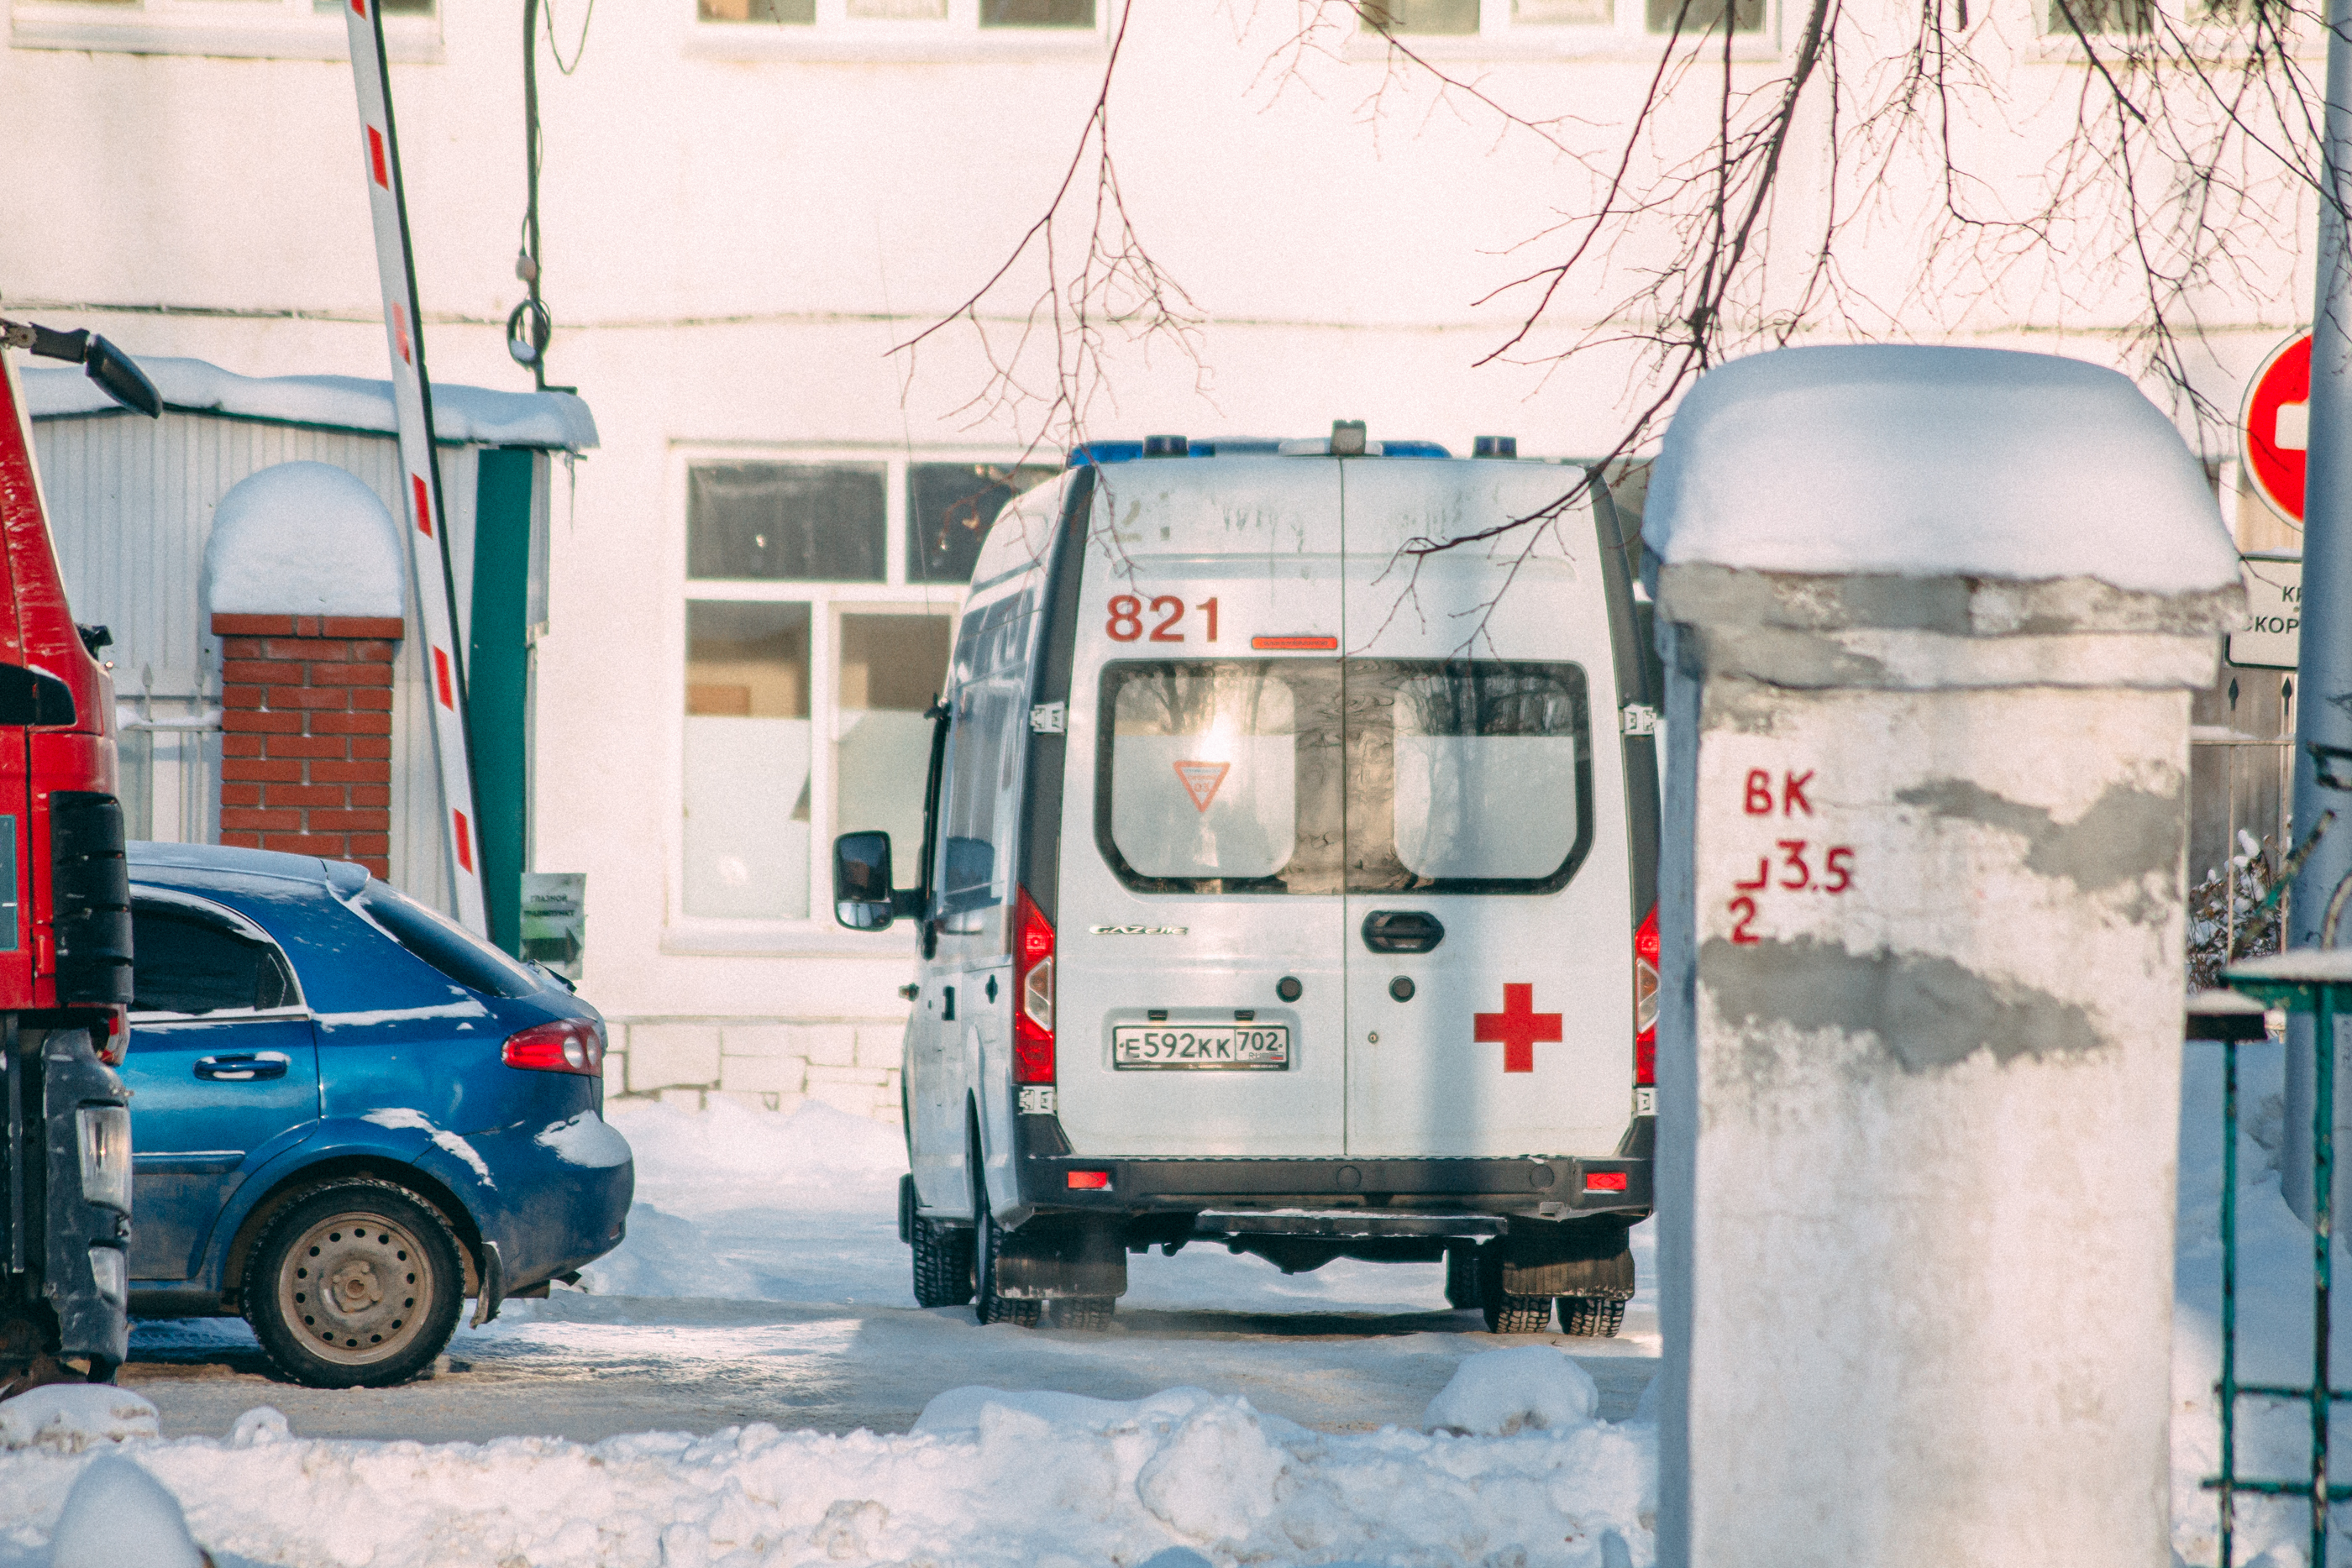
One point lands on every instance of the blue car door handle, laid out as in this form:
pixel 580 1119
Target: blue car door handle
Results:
pixel 243 1066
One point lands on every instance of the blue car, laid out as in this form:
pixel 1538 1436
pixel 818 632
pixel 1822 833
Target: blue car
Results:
pixel 349 1115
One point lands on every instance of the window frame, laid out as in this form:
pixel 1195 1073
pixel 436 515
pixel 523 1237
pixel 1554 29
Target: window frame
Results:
pixel 242 29
pixel 1501 38
pixel 835 36
pixel 2213 37
pixel 817 933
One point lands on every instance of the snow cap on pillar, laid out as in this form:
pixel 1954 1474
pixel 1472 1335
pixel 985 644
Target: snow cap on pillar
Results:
pixel 302 538
pixel 1935 462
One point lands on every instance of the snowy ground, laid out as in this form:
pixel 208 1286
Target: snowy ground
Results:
pixel 763 1280
pixel 747 1383
pixel 760 1316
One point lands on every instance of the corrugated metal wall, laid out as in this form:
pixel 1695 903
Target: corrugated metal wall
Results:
pixel 131 501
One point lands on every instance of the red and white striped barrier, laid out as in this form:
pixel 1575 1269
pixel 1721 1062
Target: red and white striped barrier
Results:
pixel 436 594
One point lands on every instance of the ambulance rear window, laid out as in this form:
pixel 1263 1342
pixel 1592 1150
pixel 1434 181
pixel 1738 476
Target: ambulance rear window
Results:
pixel 1322 776
pixel 1480 777
pixel 1222 774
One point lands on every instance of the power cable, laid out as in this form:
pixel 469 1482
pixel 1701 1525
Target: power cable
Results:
pixel 531 327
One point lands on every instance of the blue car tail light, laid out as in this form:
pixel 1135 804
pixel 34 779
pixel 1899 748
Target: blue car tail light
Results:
pixel 563 1045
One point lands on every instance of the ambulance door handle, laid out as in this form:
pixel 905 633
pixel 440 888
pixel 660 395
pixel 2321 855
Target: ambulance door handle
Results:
pixel 1401 931
pixel 947 1012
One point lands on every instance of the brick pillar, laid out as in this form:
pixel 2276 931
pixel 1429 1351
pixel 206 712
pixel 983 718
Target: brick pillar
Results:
pixel 306 753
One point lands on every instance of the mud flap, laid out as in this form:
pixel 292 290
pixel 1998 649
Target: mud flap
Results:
pixel 492 1288
pixel 1539 1259
pixel 91 1321
pixel 1044 1260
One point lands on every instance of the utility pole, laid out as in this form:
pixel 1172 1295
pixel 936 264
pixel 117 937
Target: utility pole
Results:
pixel 2323 676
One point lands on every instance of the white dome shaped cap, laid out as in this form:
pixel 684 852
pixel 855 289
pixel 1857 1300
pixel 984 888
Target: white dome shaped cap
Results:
pixel 1935 462
pixel 302 538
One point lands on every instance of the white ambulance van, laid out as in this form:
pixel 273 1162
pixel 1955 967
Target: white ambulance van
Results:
pixel 1284 889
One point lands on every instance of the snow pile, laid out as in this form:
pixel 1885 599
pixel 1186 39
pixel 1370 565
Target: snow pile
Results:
pixel 1532 1388
pixel 340 402
pixel 987 1479
pixel 1924 462
pixel 817 1157
pixel 302 538
pixel 117 1515
pixel 262 1423
pixel 72 1416
pixel 757 1206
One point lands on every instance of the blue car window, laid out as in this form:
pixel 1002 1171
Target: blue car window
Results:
pixel 186 963
pixel 444 944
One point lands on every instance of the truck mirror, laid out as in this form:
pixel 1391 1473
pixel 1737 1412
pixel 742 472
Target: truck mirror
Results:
pixel 861 881
pixel 120 374
pixel 34 696
pixel 100 361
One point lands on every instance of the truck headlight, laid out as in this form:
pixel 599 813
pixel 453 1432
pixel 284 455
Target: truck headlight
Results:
pixel 106 1268
pixel 106 1157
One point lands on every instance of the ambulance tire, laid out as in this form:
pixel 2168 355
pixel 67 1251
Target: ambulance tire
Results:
pixel 988 1242
pixel 1507 1313
pixel 942 1263
pixel 1088 1314
pixel 1592 1317
pixel 1462 1277
pixel 1517 1314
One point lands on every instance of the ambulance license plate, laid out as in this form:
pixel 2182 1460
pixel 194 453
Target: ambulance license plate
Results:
pixel 1136 1045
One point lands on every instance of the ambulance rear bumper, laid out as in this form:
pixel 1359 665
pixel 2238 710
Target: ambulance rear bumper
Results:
pixel 1561 1186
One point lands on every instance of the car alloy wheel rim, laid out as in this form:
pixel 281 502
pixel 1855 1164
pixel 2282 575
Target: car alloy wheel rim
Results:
pixel 355 1287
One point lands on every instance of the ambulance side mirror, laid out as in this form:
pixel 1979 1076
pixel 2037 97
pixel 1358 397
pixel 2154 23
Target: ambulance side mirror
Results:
pixel 861 881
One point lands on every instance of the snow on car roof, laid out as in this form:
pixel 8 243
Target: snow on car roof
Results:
pixel 463 413
pixel 1928 462
pixel 155 861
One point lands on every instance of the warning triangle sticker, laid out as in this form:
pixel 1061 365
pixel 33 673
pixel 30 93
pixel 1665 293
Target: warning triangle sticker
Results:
pixel 1201 780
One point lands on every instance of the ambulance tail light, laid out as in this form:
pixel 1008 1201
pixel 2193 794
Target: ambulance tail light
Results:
pixel 1033 986
pixel 1645 1002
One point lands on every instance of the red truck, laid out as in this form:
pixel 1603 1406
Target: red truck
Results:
pixel 65 928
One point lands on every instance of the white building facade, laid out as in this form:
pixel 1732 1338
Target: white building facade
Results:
pixel 747 206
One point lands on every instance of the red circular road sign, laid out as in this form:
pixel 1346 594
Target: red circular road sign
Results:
pixel 2275 426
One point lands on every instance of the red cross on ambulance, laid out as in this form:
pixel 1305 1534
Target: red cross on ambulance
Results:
pixel 1518 1027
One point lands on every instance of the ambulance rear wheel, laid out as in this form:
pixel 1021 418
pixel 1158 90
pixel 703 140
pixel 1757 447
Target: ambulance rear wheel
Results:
pixel 1091 1314
pixel 1507 1313
pixel 942 1263
pixel 1462 1277
pixel 1517 1314
pixel 988 1244
pixel 1592 1317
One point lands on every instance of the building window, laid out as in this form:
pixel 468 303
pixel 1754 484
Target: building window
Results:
pixel 775 522
pixel 748 744
pixel 287 29
pixel 2096 16
pixel 820 603
pixel 1693 18
pixel 866 14
pixel 1519 23
pixel 1424 17
pixel 1036 13
pixel 948 508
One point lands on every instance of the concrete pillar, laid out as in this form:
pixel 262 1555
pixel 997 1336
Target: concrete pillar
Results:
pixel 1932 618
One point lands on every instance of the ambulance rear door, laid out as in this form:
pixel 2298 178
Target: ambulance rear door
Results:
pixel 1202 966
pixel 1490 950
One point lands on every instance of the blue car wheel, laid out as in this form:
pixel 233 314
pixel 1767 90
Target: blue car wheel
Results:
pixel 356 1286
